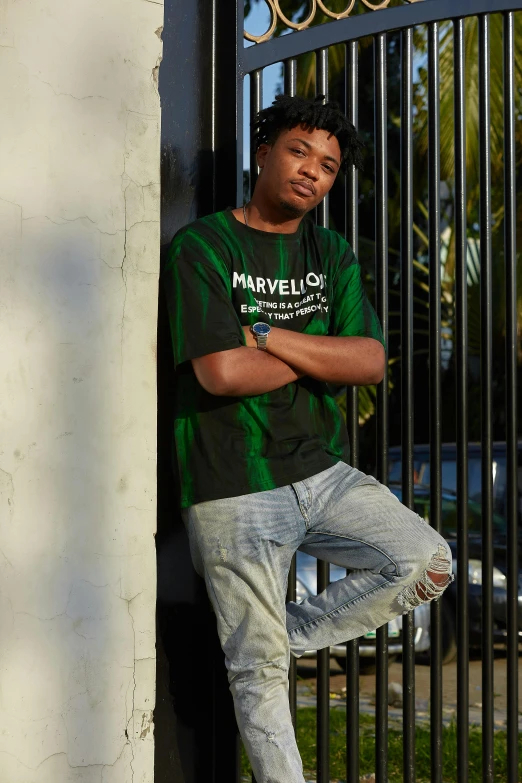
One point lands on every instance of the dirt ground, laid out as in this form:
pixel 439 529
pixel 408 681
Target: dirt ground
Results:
pixel 306 672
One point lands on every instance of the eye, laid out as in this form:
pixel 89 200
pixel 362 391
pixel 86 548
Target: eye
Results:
pixel 298 150
pixel 329 168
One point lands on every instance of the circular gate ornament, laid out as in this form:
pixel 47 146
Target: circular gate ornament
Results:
pixel 270 31
pixel 277 14
pixel 332 14
pixel 299 25
pixel 368 4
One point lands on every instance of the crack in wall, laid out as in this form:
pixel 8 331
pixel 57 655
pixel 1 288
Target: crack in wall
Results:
pixel 123 272
pixel 126 182
pixel 8 490
pixel 131 721
pixel 2 553
pixel 73 220
pixel 144 113
pixel 65 221
pixel 110 766
pixel 146 720
pixel 69 94
pixel 63 754
pixel 142 222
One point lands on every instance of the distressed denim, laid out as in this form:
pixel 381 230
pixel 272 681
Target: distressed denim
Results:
pixel 243 547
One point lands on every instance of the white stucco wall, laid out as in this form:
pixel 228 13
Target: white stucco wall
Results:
pixel 79 262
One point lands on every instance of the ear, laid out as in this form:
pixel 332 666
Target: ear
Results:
pixel 261 154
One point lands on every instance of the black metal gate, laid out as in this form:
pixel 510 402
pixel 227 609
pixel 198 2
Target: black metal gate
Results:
pixel 483 359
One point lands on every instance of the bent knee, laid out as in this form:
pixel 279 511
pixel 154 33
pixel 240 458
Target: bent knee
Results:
pixel 262 668
pixel 433 580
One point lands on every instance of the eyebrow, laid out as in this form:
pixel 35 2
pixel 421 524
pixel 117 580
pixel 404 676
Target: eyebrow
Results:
pixel 307 144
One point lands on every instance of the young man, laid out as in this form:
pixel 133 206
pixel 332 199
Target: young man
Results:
pixel 266 310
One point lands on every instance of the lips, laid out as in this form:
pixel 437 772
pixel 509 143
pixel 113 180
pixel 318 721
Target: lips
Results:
pixel 303 187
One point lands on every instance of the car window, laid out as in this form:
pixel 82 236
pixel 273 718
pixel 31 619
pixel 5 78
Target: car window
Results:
pixel 448 475
pixel 474 478
pixel 449 478
pixel 395 472
pixel 422 475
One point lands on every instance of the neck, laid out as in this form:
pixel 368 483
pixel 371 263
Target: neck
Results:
pixel 268 217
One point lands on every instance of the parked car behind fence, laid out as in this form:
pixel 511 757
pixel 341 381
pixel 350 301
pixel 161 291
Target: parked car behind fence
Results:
pixel 421 464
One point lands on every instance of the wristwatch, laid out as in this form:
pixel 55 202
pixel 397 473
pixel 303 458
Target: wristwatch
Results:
pixel 261 332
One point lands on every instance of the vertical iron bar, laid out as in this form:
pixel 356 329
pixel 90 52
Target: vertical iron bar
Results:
pixel 511 394
pixel 486 356
pixel 290 82
pixel 322 89
pixel 352 235
pixel 323 568
pixel 352 220
pixel 239 115
pixel 290 77
pixel 256 104
pixel 226 105
pixel 461 371
pixel 406 171
pixel 435 385
pixel 381 296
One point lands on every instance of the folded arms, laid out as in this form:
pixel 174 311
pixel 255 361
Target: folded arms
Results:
pixel 247 371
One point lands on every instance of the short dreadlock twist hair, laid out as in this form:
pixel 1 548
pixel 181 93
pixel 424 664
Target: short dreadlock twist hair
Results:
pixel 286 113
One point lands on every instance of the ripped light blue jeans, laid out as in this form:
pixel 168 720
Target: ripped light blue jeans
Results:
pixel 243 546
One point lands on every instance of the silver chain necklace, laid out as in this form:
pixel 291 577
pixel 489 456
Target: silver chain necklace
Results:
pixel 244 215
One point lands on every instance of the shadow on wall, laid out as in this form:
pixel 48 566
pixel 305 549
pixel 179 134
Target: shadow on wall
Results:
pixel 70 656
pixel 193 703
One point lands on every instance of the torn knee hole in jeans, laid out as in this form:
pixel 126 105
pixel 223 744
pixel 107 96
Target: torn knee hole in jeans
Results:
pixel 270 736
pixel 223 552
pixel 432 583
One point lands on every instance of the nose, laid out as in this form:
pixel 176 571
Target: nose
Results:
pixel 309 169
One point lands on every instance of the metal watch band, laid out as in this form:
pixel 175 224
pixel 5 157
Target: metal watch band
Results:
pixel 261 341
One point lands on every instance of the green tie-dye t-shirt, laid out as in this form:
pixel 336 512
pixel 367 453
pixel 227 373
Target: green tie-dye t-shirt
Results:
pixel 222 275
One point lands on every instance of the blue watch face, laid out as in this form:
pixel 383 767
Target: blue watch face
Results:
pixel 261 329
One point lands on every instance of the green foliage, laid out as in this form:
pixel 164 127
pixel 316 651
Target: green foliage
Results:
pixel 471 77
pixel 306 740
pixel 366 403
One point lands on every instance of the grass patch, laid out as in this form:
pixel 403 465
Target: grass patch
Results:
pixel 306 732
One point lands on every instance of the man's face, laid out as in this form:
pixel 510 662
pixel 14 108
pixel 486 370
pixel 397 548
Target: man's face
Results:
pixel 299 169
